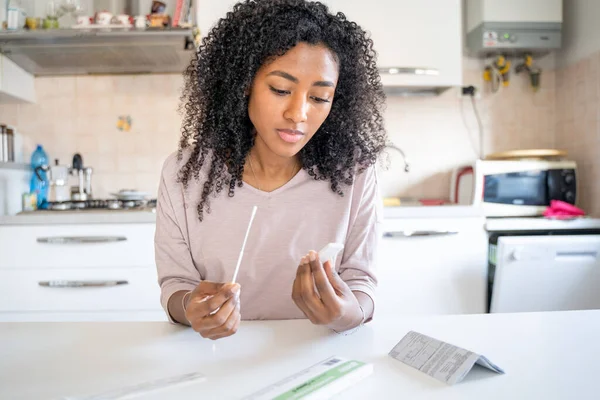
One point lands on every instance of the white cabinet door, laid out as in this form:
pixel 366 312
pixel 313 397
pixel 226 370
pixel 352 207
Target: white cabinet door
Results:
pixel 16 85
pixel 432 266
pixel 210 11
pixel 423 34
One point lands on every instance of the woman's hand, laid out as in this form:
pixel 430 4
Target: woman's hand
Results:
pixel 213 309
pixel 323 296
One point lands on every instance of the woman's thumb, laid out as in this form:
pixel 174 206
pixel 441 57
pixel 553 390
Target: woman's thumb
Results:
pixel 333 277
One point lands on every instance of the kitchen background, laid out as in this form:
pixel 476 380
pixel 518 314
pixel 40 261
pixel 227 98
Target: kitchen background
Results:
pixel 80 114
pixel 437 133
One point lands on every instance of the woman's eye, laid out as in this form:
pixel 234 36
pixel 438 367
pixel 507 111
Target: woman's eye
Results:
pixel 279 92
pixel 320 100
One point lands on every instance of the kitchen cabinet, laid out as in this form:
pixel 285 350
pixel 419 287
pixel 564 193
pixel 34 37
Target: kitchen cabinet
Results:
pixel 432 266
pixel 16 85
pixel 419 40
pixel 74 246
pixel 68 254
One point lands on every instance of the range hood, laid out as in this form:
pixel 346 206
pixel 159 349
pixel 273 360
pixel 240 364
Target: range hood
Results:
pixel 93 51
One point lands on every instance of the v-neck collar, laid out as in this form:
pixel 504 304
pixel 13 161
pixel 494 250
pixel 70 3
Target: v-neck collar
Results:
pixel 280 189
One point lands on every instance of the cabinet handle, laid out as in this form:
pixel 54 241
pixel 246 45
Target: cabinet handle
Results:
pixel 80 239
pixel 409 234
pixel 76 284
pixel 410 71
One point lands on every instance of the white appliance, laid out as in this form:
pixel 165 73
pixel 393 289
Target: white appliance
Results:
pixel 544 265
pixel 505 188
pixel 14 181
pixel 514 25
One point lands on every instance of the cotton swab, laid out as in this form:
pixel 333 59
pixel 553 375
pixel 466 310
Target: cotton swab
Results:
pixel 239 261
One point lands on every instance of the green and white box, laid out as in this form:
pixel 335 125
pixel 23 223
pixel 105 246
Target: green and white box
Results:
pixel 321 381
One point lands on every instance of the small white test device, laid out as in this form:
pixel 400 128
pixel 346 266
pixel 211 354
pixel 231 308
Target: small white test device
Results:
pixel 329 252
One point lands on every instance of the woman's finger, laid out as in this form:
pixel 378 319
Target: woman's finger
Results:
pixel 200 307
pixel 229 327
pixel 217 319
pixel 298 298
pixel 309 293
pixel 325 290
pixel 338 284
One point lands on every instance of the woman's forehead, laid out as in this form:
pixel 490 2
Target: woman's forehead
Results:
pixel 306 61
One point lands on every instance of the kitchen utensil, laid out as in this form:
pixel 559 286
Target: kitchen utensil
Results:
pixel 59 181
pixel 141 21
pixel 103 18
pixel 78 192
pixel 84 20
pixel 129 194
pixel 122 19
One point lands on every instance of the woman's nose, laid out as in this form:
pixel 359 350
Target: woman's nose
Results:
pixel 297 110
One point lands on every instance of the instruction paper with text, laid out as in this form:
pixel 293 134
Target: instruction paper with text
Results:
pixel 441 360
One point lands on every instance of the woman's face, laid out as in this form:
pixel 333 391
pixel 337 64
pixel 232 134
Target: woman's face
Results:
pixel 291 97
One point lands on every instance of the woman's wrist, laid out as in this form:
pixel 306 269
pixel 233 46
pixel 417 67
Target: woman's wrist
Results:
pixel 175 306
pixel 350 321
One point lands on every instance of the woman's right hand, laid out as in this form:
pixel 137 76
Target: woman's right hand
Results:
pixel 213 309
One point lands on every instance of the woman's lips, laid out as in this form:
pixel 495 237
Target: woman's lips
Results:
pixel 290 135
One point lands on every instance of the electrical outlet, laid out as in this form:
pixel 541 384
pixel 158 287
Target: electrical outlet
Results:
pixel 463 92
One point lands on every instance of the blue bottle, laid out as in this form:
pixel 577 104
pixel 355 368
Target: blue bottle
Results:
pixel 39 180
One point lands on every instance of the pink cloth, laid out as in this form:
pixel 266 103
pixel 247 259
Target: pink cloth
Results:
pixel 560 209
pixel 302 215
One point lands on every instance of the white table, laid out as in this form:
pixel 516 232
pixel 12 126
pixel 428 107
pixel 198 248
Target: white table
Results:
pixel 545 355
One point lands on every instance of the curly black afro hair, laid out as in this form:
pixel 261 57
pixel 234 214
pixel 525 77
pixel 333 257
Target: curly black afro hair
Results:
pixel 216 127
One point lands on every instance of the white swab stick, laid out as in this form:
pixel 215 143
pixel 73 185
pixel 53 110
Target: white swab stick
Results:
pixel 239 261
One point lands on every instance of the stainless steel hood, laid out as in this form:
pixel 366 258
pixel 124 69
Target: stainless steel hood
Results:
pixel 83 52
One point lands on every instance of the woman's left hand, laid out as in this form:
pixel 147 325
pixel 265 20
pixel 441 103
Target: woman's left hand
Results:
pixel 323 296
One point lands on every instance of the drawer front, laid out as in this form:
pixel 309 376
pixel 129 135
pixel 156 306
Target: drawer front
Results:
pixel 434 266
pixel 21 290
pixel 66 246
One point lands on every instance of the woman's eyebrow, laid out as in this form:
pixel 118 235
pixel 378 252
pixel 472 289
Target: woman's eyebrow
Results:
pixel 292 78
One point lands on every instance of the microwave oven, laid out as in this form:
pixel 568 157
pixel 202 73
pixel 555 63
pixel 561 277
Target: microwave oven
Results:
pixel 514 188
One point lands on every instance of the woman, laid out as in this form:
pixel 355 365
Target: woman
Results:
pixel 282 110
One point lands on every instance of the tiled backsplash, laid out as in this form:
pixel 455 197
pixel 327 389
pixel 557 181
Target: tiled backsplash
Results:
pixel 80 114
pixel 578 111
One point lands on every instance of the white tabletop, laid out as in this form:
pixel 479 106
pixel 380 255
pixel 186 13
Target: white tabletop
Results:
pixel 545 356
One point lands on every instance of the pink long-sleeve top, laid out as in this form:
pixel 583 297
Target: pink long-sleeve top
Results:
pixel 302 215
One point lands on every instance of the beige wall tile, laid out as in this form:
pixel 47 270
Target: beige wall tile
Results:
pixel 86 144
pixel 94 86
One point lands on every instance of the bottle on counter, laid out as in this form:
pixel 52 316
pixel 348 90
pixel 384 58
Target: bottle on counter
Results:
pixel 39 179
pixel 3 144
pixel 10 142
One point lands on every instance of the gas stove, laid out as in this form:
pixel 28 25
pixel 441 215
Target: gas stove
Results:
pixel 102 204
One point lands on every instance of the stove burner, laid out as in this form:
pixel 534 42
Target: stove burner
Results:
pixel 102 204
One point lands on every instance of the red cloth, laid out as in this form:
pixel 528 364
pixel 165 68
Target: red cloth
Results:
pixel 560 209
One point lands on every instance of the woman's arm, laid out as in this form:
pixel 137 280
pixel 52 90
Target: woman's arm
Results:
pixel 177 273
pixel 358 266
